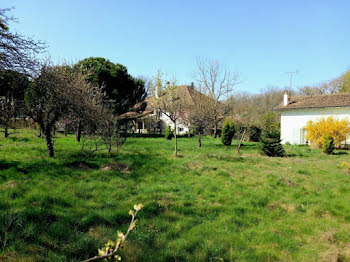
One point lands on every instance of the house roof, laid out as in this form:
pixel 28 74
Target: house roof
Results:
pixel 135 115
pixel 319 101
pixel 187 94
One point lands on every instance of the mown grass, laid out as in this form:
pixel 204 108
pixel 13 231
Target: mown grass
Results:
pixel 209 204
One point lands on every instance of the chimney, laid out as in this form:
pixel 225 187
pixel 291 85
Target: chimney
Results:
pixel 285 98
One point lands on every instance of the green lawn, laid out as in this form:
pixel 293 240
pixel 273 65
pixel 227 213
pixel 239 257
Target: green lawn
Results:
pixel 209 204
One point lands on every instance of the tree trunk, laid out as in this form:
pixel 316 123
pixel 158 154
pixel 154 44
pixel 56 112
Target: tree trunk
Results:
pixel 175 152
pixel 78 132
pixel 49 143
pixel 240 142
pixel 215 130
pixel 6 131
pixel 199 140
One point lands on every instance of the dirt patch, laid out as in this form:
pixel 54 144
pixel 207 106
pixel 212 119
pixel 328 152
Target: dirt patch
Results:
pixel 193 165
pixel 9 184
pixel 122 167
pixel 82 165
pixel 337 254
pixel 13 256
pixel 288 207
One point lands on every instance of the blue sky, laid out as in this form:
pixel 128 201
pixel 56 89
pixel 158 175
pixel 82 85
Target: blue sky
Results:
pixel 262 40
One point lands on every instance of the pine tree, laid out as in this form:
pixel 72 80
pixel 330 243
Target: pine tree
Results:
pixel 272 144
pixel 169 133
pixel 328 144
pixel 228 130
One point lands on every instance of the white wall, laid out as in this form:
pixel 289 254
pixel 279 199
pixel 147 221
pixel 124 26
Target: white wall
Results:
pixel 293 121
pixel 170 123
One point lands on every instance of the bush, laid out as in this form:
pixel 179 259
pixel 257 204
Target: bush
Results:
pixel 270 122
pixel 254 134
pixel 271 144
pixel 228 130
pixel 317 130
pixel 328 144
pixel 169 133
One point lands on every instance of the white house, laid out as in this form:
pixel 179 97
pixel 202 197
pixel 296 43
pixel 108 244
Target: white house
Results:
pixel 297 111
pixel 152 120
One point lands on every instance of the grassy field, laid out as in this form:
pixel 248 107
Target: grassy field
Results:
pixel 209 204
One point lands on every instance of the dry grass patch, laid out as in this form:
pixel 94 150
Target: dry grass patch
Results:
pixel 9 184
pixel 194 165
pixel 122 167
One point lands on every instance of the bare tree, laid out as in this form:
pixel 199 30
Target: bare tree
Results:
pixel 244 115
pixel 217 82
pixel 16 51
pixel 47 102
pixel 198 114
pixel 169 103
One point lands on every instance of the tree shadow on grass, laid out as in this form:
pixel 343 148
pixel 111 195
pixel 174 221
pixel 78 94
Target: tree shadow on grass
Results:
pixel 7 165
pixel 339 153
pixel 16 139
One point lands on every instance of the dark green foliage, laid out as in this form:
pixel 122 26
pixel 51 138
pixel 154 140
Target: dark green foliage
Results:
pixel 254 134
pixel 12 88
pixel 169 134
pixel 271 144
pixel 228 130
pixel 122 90
pixel 328 144
pixel 270 122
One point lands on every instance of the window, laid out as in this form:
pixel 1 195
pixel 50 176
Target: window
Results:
pixel 181 129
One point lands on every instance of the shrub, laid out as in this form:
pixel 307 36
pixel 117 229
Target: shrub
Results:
pixel 328 144
pixel 169 133
pixel 254 134
pixel 270 122
pixel 271 144
pixel 337 129
pixel 228 130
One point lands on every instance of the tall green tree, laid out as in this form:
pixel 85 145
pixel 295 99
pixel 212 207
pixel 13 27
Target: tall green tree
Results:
pixel 12 89
pixel 122 90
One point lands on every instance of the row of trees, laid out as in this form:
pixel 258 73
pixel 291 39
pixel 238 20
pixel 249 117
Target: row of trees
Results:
pixel 88 97
pixel 340 84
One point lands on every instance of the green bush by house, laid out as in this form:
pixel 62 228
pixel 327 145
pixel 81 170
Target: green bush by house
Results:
pixel 328 144
pixel 169 133
pixel 228 130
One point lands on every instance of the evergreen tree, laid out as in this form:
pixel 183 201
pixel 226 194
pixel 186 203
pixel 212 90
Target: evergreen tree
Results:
pixel 228 130
pixel 271 144
pixel 169 133
pixel 328 144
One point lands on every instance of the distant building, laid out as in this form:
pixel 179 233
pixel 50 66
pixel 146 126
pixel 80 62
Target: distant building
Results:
pixel 152 120
pixel 297 111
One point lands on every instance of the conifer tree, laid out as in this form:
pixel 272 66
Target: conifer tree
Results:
pixel 228 130
pixel 271 144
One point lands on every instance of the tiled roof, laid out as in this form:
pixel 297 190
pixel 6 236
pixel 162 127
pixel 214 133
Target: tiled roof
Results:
pixel 319 101
pixel 188 95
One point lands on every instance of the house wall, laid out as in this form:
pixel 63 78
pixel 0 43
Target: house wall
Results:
pixel 294 121
pixel 181 128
